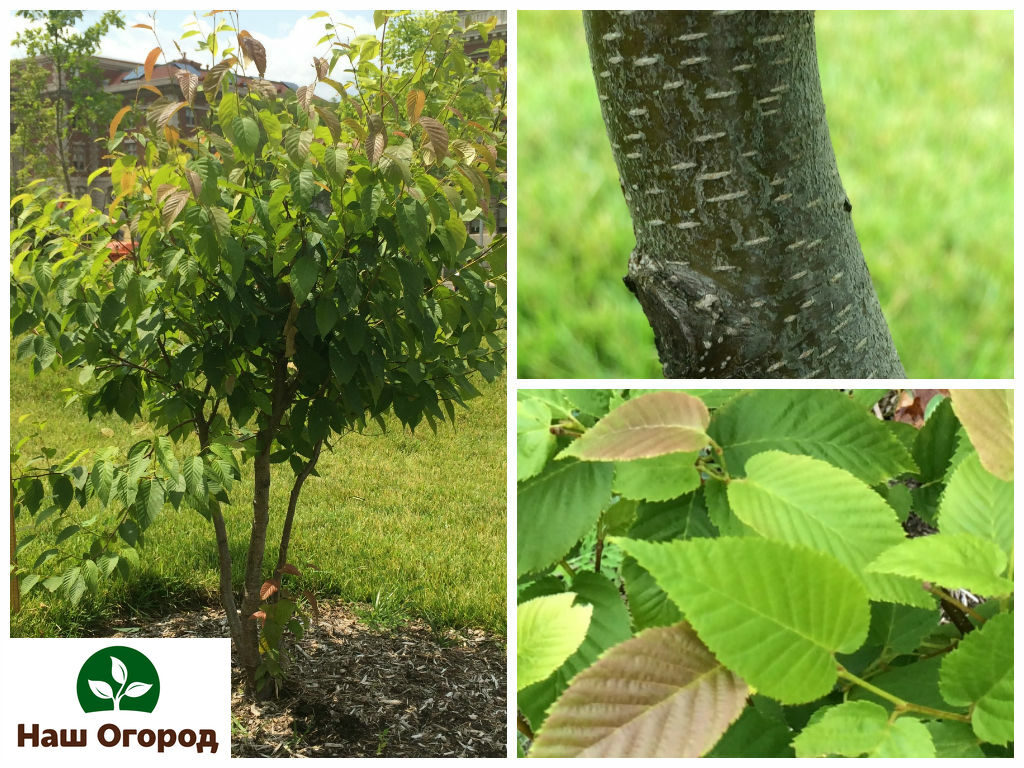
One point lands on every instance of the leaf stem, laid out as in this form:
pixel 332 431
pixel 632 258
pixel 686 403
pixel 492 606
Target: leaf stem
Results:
pixel 568 568
pixel 947 597
pixel 900 705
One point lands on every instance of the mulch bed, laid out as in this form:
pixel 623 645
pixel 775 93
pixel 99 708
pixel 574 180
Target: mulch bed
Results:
pixel 357 692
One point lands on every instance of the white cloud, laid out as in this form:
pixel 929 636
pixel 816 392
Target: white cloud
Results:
pixel 290 57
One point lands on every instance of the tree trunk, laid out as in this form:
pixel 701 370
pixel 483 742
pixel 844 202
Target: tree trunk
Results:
pixel 251 600
pixel 15 588
pixel 293 502
pixel 58 117
pixel 746 260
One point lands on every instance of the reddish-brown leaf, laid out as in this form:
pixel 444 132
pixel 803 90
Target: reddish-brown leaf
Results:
pixel 261 615
pixel 288 568
pixel 164 191
pixel 195 183
pixel 188 84
pixel 213 78
pixel 320 65
pixel 117 119
pixel 659 694
pixel 376 138
pixel 141 26
pixel 437 136
pixel 414 101
pixel 253 50
pixel 173 205
pixel 987 416
pixel 304 95
pixel 644 427
pixel 150 61
pixel 151 89
pixel 313 605
pixel 270 586
pixel 168 112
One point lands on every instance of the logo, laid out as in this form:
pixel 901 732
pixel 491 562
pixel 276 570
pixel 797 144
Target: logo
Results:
pixel 118 678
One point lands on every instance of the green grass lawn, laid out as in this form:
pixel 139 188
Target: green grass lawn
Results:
pixel 412 523
pixel 920 108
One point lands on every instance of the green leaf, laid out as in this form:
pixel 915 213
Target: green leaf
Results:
pixel 336 163
pixel 247 135
pixel 978 503
pixel 102 480
pixel 326 315
pixel 857 728
pixel 657 479
pixel 953 739
pixel 195 480
pixel 987 415
pixel 304 275
pixel 824 424
pixel 67 533
pixel 413 225
pixel 46 352
pixel 899 629
pixel 227 111
pixel 646 426
pixel 649 605
pixel 934 447
pixel 740 594
pixel 556 508
pixel 659 694
pixel 755 735
pixel 549 630
pixel 609 625
pixel 917 682
pixel 957 561
pixel 979 674
pixel 150 498
pixel 805 501
pixel 303 186
pixel 296 144
pixel 28 582
pixel 534 441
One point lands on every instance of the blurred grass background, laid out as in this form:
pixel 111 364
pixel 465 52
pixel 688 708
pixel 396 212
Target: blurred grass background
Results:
pixel 407 525
pixel 920 108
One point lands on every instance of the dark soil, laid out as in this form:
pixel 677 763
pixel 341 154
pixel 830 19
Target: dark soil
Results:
pixel 353 691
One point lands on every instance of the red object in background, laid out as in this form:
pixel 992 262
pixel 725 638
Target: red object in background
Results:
pixel 121 250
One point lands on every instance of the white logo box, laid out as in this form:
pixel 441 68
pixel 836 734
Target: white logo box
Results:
pixel 40 681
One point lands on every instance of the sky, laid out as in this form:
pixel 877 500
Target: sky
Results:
pixel 290 37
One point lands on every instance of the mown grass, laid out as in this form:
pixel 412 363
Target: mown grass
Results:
pixel 413 523
pixel 920 108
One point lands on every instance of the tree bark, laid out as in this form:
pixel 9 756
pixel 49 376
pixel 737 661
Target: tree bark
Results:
pixel 58 117
pixel 746 261
pixel 293 502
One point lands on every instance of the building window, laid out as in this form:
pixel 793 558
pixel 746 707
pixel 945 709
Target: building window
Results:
pixel 79 157
pixel 130 146
pixel 190 119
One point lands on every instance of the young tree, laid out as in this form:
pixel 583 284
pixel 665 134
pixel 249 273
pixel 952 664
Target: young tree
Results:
pixel 746 263
pixel 294 276
pixel 77 104
pixel 32 119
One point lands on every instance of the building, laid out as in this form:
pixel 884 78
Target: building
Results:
pixel 476 48
pixel 126 79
